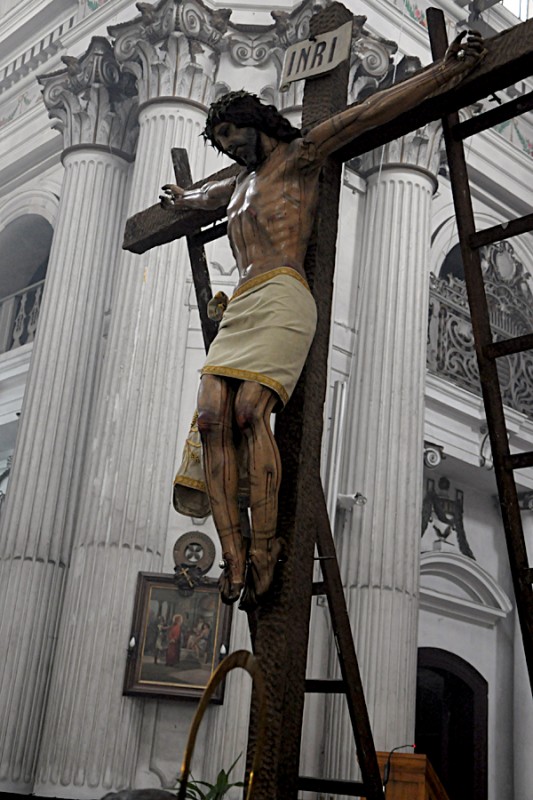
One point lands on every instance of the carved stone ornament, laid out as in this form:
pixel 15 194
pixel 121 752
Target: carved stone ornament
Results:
pixel 92 99
pixel 450 351
pixel 442 518
pixel 257 48
pixel 433 455
pixel 173 48
pixel 199 22
pixel 371 65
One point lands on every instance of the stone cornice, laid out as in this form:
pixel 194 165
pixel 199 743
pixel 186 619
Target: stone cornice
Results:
pixel 92 99
pixel 35 56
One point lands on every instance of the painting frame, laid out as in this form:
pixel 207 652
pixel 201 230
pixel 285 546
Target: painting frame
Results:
pixel 170 657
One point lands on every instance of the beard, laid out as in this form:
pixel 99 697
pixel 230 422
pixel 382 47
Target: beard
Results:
pixel 251 152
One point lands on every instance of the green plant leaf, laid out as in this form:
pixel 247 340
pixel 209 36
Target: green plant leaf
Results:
pixel 216 791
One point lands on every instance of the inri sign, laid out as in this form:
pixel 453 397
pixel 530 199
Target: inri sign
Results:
pixel 316 56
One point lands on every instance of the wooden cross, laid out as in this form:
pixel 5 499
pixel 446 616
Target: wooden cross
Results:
pixel 280 630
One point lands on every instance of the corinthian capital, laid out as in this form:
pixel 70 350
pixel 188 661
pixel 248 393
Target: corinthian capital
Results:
pixel 92 100
pixel 172 48
pixel 418 149
pixel 202 23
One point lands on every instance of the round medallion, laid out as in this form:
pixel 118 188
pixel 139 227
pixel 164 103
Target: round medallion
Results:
pixel 196 550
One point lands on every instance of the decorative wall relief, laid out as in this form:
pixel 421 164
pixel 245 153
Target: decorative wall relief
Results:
pixel 442 519
pixel 450 351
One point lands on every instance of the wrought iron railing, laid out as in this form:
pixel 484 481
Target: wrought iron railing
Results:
pixel 19 315
pixel 450 352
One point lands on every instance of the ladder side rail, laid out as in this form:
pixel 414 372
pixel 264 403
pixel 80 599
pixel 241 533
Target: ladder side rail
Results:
pixel 507 491
pixel 349 666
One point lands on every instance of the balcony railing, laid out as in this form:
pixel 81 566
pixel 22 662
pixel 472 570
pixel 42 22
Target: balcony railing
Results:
pixel 451 352
pixel 19 315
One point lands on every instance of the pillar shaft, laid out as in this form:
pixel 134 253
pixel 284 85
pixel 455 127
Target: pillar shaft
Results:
pixel 92 733
pixel 39 515
pixel 378 544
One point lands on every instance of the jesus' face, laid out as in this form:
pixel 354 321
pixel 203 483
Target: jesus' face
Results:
pixel 243 145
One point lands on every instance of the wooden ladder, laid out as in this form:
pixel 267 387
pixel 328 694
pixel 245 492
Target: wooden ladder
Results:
pixel 489 351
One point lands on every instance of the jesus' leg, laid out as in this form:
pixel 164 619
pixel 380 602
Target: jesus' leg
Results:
pixel 215 423
pixel 253 408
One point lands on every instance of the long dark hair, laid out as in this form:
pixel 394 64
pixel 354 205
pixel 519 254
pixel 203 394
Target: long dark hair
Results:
pixel 247 111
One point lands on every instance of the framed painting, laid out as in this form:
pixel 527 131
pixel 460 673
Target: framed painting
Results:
pixel 178 637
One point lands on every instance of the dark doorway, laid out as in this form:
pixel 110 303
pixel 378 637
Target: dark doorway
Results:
pixel 451 722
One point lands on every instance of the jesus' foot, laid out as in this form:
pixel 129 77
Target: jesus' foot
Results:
pixel 231 581
pixel 263 557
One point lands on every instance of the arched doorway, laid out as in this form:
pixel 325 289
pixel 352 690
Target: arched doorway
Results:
pixel 25 244
pixel 451 722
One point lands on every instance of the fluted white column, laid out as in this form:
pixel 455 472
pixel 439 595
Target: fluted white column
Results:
pixel 378 544
pixel 41 504
pixel 49 460
pixel 91 731
pixel 227 725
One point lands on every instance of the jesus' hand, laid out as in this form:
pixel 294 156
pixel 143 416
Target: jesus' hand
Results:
pixel 172 195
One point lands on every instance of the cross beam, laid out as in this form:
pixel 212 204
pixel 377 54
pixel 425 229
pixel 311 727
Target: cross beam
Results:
pixel 509 59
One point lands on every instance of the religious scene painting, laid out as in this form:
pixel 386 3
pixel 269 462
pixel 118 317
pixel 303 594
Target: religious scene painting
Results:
pixel 178 637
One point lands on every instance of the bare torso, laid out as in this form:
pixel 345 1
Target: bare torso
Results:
pixel 271 212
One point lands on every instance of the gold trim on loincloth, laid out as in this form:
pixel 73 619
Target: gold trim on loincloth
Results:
pixel 246 375
pixel 266 276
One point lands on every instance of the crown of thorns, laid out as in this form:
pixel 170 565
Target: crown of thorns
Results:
pixel 246 110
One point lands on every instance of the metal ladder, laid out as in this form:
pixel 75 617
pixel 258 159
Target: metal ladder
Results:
pixel 350 685
pixel 489 351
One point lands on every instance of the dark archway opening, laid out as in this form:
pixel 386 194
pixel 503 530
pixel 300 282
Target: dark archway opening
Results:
pixel 453 264
pixel 451 722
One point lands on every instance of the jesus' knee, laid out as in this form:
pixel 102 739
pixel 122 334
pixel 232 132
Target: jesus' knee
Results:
pixel 214 407
pixel 248 416
pixel 210 423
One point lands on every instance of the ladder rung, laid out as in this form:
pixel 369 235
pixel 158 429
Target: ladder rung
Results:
pixel 350 788
pixel 493 117
pixel 209 234
pixel 500 232
pixel 325 685
pixel 509 346
pixel 519 460
pixel 319 588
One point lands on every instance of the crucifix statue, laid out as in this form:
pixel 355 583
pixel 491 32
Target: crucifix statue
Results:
pixel 279 626
pixel 269 323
